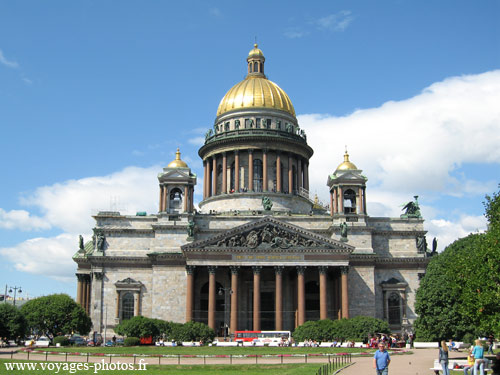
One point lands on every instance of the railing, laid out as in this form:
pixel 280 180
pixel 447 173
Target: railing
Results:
pixel 254 132
pixel 334 363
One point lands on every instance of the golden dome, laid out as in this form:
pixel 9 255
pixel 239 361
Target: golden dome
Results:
pixel 177 163
pixel 255 52
pixel 346 164
pixel 256 91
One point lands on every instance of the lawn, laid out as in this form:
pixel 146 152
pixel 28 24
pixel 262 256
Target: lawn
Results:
pixel 204 350
pixel 291 369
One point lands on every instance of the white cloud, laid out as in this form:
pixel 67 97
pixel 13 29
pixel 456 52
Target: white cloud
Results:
pixel 197 141
pixel 295 33
pixel 215 12
pixel 335 22
pixel 7 63
pixel 21 219
pixel 414 146
pixel 45 256
pixel 448 231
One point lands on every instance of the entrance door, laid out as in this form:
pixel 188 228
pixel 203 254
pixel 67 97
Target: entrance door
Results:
pixel 267 311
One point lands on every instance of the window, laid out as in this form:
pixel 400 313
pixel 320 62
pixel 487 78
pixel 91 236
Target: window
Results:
pixel 257 123
pixel 257 175
pixel 175 199
pixel 394 307
pixel 127 306
pixel 256 66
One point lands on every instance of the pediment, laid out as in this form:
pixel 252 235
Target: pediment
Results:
pixel 175 173
pixel 268 234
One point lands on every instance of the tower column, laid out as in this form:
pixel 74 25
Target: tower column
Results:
pixel 306 176
pixel 345 296
pixel 278 172
pixel 364 200
pixel 233 325
pixel 186 198
pixel 250 170
pixel 224 173
pixel 214 177
pixel 137 303
pixel 211 296
pixel 236 171
pixel 335 200
pixel 299 173
pixel 323 292
pixel 331 203
pixel 278 305
pixel 290 174
pixel 117 312
pixel 301 296
pixel 341 200
pixel 264 162
pixel 79 289
pixel 189 292
pixel 161 199
pixel 164 201
pixel 256 298
pixel 359 201
pixel 205 177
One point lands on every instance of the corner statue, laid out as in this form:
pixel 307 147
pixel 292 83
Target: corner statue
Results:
pixel 80 244
pixel 412 210
pixel 343 232
pixel 190 228
pixel 266 203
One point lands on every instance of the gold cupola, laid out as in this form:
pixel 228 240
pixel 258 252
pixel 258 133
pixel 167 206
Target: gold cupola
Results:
pixel 255 91
pixel 177 163
pixel 346 164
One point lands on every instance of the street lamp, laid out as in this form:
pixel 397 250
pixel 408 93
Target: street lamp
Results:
pixel 227 293
pixel 15 292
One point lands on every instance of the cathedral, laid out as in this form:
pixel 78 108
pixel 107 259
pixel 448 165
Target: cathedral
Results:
pixel 258 253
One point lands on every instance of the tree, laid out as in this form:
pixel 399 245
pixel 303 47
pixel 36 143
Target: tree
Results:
pixel 12 322
pixel 56 314
pixel 460 292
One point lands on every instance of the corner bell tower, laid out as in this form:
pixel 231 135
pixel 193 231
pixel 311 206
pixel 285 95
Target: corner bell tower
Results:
pixel 176 187
pixel 347 190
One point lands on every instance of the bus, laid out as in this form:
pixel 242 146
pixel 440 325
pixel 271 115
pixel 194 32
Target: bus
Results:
pixel 262 336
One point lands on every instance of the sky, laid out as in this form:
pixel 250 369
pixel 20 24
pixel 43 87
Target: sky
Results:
pixel 95 97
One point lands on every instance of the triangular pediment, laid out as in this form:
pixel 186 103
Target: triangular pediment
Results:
pixel 268 234
pixel 175 173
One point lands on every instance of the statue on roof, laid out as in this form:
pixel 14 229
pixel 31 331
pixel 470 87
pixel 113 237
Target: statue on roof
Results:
pixel 266 203
pixel 190 228
pixel 343 232
pixel 412 210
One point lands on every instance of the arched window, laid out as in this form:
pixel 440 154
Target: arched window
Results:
pixel 175 201
pixel 219 178
pixel 127 306
pixel 349 202
pixel 255 66
pixel 394 307
pixel 257 175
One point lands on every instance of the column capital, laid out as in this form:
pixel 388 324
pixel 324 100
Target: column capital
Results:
pixel 98 275
pixel 265 150
pixel 344 270
pixel 323 270
pixel 80 276
pixel 278 270
pixel 190 269
pixel 234 269
pixel 256 269
pixel 250 150
pixel 236 152
pixel 301 270
pixel 212 269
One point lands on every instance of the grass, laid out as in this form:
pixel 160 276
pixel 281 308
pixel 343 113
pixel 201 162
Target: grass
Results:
pixel 204 350
pixel 290 369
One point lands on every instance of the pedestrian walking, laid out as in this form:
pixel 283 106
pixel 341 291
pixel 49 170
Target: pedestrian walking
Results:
pixel 381 360
pixel 443 357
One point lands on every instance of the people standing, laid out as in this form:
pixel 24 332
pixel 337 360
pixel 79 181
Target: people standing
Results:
pixel 478 352
pixel 381 360
pixel 490 344
pixel 443 357
pixel 470 364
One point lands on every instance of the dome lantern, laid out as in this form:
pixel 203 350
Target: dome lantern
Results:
pixel 177 163
pixel 255 62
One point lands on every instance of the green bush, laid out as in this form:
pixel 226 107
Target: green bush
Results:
pixel 132 341
pixel 356 329
pixel 192 331
pixel 469 338
pixel 61 340
pixel 138 326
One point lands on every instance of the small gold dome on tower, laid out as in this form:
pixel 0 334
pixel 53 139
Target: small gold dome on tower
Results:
pixel 177 163
pixel 255 52
pixel 346 164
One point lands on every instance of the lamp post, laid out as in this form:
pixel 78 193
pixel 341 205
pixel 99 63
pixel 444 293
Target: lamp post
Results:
pixel 15 292
pixel 227 293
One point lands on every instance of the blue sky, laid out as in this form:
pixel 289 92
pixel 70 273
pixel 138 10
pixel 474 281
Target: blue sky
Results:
pixel 96 95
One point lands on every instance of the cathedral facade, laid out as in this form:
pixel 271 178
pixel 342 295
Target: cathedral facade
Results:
pixel 258 253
